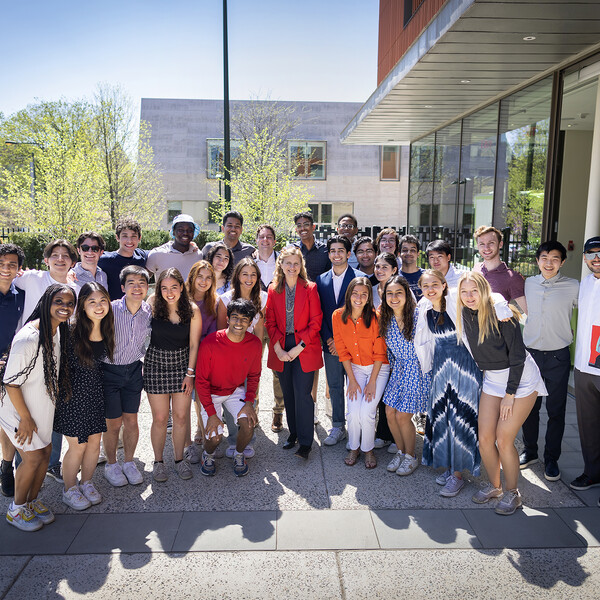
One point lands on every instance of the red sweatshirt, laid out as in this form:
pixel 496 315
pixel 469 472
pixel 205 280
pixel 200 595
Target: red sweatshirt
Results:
pixel 224 365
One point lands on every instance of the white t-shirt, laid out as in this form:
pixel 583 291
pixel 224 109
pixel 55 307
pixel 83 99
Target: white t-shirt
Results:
pixel 34 283
pixel 228 296
pixel 587 348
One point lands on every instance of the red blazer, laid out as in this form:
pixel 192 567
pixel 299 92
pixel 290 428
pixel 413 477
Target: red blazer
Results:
pixel 307 325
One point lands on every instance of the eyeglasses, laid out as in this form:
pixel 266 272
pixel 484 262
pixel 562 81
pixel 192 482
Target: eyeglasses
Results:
pixel 345 226
pixel 87 248
pixel 592 255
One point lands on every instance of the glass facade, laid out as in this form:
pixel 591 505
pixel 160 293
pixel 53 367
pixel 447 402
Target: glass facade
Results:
pixel 487 169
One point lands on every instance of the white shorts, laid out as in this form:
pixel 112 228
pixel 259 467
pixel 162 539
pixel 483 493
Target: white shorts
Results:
pixel 494 382
pixel 233 403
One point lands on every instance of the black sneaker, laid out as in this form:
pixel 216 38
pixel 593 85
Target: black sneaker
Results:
pixel 55 473
pixel 526 460
pixel 583 482
pixel 551 470
pixel 7 479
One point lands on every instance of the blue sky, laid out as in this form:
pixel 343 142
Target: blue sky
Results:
pixel 312 50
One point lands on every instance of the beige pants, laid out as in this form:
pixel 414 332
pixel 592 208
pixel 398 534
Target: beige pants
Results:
pixel 278 406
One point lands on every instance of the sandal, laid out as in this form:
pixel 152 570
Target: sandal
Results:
pixel 370 460
pixel 352 457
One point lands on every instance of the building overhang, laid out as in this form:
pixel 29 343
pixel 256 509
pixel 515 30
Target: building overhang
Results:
pixel 473 52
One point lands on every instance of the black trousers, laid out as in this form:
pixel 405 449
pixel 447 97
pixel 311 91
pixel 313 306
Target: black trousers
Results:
pixel 383 429
pixel 299 406
pixel 587 402
pixel 554 366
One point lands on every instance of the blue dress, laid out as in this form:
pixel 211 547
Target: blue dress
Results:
pixel 451 429
pixel 407 389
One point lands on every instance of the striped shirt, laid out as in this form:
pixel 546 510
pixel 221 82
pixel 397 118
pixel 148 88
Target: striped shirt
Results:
pixel 132 332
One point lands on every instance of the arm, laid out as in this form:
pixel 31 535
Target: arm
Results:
pixel 521 302
pixel 259 328
pixel 221 315
pixel 371 387
pixel 203 373
pixel 195 332
pixel 27 426
pixel 253 377
pixel 338 338
pixel 353 387
pixel 511 332
pixel 276 333
pixel 315 317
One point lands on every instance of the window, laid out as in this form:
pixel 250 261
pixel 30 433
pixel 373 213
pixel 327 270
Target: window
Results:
pixel 390 163
pixel 327 213
pixel 307 159
pixel 173 209
pixel 215 153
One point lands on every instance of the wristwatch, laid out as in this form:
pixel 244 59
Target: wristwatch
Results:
pixel 302 344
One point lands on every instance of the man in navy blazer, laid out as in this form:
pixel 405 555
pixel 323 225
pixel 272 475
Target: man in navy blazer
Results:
pixel 332 286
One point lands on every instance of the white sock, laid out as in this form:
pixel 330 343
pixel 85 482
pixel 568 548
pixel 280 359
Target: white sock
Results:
pixel 15 507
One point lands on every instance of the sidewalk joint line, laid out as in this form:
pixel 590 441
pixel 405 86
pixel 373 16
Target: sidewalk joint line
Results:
pixel 16 577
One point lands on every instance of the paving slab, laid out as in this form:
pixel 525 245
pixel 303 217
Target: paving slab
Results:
pixel 583 521
pixel 210 531
pixel 326 529
pixel 423 529
pixel 143 532
pixel 526 528
pixel 10 569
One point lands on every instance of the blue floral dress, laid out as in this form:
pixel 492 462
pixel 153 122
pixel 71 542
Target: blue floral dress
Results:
pixel 407 389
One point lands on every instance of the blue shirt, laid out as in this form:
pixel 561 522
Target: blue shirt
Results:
pixel 316 259
pixel 112 263
pixel 413 282
pixel 11 311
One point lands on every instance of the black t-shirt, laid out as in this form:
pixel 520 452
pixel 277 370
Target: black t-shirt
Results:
pixel 112 263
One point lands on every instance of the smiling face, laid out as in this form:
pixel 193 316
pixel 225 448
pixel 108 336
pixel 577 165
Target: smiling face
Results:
pixel 183 234
pixel 387 243
pixel 135 288
pixel 409 254
pixel 395 297
pixel 469 294
pixel 238 324
pixel 89 252
pixel 170 290
pixel 96 306
pixel 594 264
pixel 9 265
pixel 220 260
pixel 232 229
pixel 383 270
pixel 61 308
pixel 248 278
pixel 440 261
pixel 291 266
pixel 128 240
pixel 359 298
pixel 265 240
pixel 338 255
pixel 549 263
pixel 204 279
pixel 304 229
pixel 365 254
pixel 347 228
pixel 59 262
pixel 432 288
pixel 488 246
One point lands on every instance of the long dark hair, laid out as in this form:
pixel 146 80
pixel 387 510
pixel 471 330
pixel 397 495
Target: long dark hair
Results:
pixel 56 379
pixel 184 306
pixel 82 328
pixel 210 299
pixel 438 274
pixel 228 270
pixel 386 314
pixel 368 313
pixel 237 286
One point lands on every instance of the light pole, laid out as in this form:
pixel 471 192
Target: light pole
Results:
pixel 227 146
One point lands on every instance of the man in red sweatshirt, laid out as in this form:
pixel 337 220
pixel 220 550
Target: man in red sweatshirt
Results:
pixel 227 375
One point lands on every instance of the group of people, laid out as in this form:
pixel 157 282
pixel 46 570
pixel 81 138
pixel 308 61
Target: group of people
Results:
pixel 441 348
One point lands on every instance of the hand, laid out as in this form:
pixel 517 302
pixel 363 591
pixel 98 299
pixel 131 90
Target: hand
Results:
pixel 187 387
pixel 71 277
pixel 250 414
pixel 24 433
pixel 353 389
pixel 295 352
pixel 506 407
pixel 370 390
pixel 331 347
pixel 282 355
pixel 213 424
pixel 193 246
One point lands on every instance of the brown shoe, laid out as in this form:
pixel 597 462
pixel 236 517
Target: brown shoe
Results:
pixel 277 424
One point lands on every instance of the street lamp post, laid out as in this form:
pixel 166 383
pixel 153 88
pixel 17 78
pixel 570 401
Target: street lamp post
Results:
pixel 227 143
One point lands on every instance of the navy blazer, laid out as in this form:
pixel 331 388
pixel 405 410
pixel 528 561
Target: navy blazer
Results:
pixel 328 303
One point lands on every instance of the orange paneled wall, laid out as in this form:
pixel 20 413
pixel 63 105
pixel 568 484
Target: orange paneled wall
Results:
pixel 394 38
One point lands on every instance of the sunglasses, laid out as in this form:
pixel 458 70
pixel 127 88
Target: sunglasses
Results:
pixel 592 255
pixel 87 248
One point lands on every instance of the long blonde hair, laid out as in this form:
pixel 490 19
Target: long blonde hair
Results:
pixel 210 298
pixel 486 314
pixel 279 276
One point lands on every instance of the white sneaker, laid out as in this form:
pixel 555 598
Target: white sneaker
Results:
pixel 192 454
pixel 442 478
pixel 230 452
pixel 379 443
pixel 90 492
pixel 408 465
pixel 452 487
pixel 183 469
pixel 249 451
pixel 396 462
pixel 114 474
pixel 24 519
pixel 132 473
pixel 335 435
pixel 75 499
pixel 392 448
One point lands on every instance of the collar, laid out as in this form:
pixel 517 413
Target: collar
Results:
pixel 334 276
pixel 552 280
pixel 170 244
pixel 501 267
pixel 12 292
pixel 79 270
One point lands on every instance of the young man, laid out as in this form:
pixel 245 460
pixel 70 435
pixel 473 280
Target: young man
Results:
pixel 227 375
pixel 316 257
pixel 180 253
pixel 332 287
pixel 90 247
pixel 232 228
pixel 364 250
pixel 587 368
pixel 12 305
pixel 347 226
pixel 129 234
pixel 123 381
pixel 439 255
pixel 502 280
pixel 409 253
pixel 547 334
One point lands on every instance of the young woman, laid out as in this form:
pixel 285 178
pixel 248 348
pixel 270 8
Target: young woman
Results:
pixel 406 391
pixel 451 429
pixel 385 268
pixel 388 240
pixel 221 259
pixel 36 369
pixel 293 320
pixel 81 418
pixel 511 384
pixel 363 353
pixel 170 367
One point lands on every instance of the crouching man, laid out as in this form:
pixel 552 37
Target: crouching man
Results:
pixel 227 375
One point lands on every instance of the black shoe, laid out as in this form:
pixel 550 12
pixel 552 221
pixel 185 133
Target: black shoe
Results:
pixel 526 460
pixel 7 479
pixel 583 482
pixel 55 473
pixel 289 444
pixel 551 470
pixel 303 452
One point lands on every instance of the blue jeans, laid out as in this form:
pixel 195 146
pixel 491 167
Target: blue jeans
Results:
pixel 335 379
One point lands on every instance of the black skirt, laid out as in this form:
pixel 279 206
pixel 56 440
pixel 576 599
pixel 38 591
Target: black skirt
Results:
pixel 165 370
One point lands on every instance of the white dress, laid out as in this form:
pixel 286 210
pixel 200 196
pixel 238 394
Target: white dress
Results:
pixel 37 400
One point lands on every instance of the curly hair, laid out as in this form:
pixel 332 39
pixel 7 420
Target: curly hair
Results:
pixel 228 270
pixel 184 306
pixel 368 312
pixel 210 298
pixel 56 379
pixel 386 314
pixel 237 284
pixel 82 327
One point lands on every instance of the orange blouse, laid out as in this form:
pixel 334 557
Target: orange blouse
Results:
pixel 357 343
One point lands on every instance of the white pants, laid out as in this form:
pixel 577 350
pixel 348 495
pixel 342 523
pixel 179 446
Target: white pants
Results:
pixel 232 403
pixel 360 414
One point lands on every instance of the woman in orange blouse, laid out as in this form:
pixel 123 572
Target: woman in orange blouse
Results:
pixel 363 353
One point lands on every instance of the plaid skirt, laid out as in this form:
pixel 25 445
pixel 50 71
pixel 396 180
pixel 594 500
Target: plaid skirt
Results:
pixel 164 370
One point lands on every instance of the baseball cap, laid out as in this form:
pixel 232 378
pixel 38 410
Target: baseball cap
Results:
pixel 183 218
pixel 593 242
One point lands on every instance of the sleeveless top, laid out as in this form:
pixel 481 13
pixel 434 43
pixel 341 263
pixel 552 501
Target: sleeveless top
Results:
pixel 169 336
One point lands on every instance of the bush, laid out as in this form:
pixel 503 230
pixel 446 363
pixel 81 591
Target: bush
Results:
pixel 33 245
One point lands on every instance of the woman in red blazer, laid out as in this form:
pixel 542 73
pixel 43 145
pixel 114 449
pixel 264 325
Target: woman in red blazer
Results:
pixel 293 318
